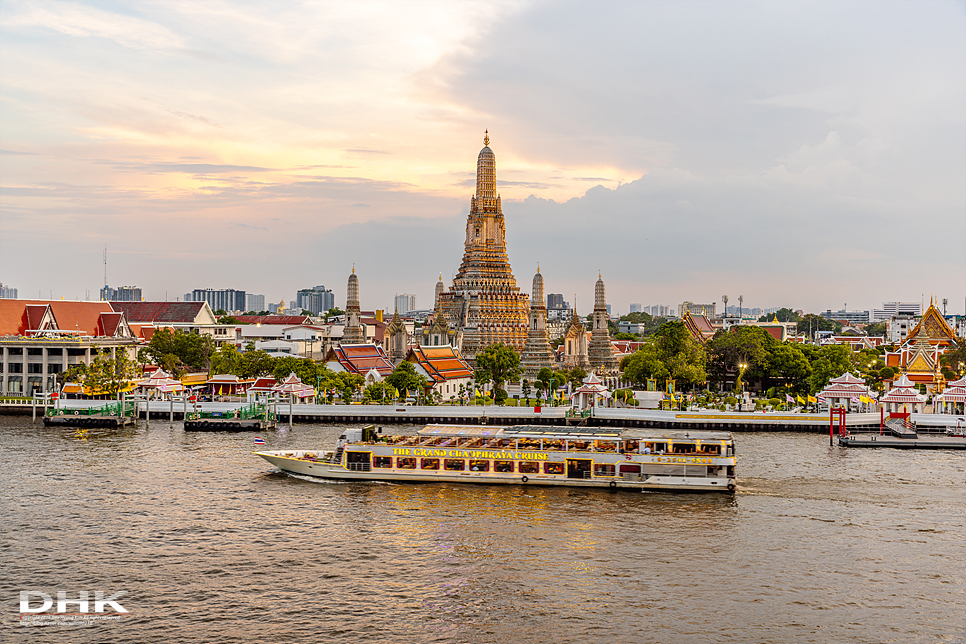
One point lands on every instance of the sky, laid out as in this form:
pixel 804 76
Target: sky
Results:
pixel 802 154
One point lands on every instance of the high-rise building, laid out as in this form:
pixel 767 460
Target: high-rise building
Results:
pixel 484 303
pixel 405 303
pixel 227 299
pixel 894 308
pixel 318 300
pixel 707 310
pixel 7 293
pixel 121 294
pixel 254 302
pixel 847 317
pixel 635 307
pixel 658 310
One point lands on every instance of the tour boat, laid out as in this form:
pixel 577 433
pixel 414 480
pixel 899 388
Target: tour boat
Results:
pixel 526 454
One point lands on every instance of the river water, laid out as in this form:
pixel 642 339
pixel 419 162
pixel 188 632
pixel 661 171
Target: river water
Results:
pixel 210 544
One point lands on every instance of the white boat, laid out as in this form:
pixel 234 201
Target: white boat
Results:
pixel 527 455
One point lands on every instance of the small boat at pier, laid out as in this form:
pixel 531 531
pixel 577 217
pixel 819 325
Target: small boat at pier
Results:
pixel 630 458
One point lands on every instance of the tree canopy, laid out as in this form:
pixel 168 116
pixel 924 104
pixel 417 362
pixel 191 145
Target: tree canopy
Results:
pixel 178 350
pixel 498 363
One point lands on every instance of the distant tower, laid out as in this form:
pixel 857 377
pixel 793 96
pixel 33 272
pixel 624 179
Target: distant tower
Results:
pixel 537 354
pixel 398 339
pixel 601 351
pixel 353 333
pixel 440 288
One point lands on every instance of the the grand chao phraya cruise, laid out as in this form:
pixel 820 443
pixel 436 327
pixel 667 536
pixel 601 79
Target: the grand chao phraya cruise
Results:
pixel 526 455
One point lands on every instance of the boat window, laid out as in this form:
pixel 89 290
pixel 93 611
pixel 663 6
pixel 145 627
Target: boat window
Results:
pixel 553 444
pixel 429 464
pixel 407 463
pixel 529 467
pixel 631 446
pixel 454 464
pixel 603 469
pixel 579 446
pixel 605 446
pixel 553 468
pixel 479 465
pixel 656 447
pixel 382 461
pixel 502 466
pixel 711 449
pixel 683 448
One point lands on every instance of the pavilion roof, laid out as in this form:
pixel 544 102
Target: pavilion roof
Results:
pixel 952 394
pixel 440 362
pixel 360 358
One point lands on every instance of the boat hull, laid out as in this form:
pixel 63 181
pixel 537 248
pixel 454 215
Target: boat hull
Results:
pixel 336 471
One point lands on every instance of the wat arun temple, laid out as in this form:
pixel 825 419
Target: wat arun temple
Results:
pixel 484 305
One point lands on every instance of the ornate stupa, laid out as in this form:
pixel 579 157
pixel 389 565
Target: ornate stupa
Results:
pixel 537 353
pixel 398 338
pixel 353 333
pixel 575 343
pixel 485 305
pixel 601 351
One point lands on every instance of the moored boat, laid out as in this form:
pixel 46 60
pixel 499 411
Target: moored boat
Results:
pixel 526 454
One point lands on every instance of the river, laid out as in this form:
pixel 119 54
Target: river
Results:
pixel 209 544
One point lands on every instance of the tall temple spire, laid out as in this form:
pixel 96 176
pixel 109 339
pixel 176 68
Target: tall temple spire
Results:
pixel 486 137
pixel 601 351
pixel 353 333
pixel 485 304
pixel 537 352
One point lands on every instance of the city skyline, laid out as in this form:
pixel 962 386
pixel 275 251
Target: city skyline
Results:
pixel 805 155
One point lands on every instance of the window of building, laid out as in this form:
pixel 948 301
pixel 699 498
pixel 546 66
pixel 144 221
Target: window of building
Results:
pixel 407 463
pixel 35 368
pixel 503 466
pixel 55 368
pixel 479 465
pixel 16 367
pixel 553 468
pixel 15 351
pixel 429 464
pixel 382 461
pixel 454 464
pixel 529 467
pixel 35 351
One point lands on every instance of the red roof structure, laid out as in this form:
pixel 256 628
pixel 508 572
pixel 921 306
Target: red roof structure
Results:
pixel 30 317
pixel 360 358
pixel 290 320
pixel 441 363
pixel 699 327
pixel 174 312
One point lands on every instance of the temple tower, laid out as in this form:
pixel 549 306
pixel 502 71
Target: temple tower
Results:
pixel 484 304
pixel 537 353
pixel 398 339
pixel 601 351
pixel 353 333
pixel 575 343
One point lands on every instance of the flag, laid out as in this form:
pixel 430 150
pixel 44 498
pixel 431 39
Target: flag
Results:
pixel 259 440
pixel 865 399
pixel 789 398
pixel 855 400
pixel 800 400
pixel 812 399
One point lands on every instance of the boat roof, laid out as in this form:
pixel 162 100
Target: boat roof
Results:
pixel 563 431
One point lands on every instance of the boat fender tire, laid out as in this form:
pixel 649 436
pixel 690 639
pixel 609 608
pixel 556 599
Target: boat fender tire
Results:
pixel 731 487
pixel 524 479
pixel 76 413
pixel 613 484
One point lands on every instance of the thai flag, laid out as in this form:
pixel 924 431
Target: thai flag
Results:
pixel 259 440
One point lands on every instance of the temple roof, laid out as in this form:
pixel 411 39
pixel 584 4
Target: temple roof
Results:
pixel 933 328
pixel 440 363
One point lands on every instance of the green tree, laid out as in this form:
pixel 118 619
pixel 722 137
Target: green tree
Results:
pixel 876 329
pixel 783 315
pixel 954 360
pixel 255 364
pixel 525 390
pixel 107 375
pixel 348 384
pixel 406 380
pixel 545 380
pixel 226 360
pixel 191 350
pixel 498 363
pixel 643 364
pixel 787 363
pixel 683 356
pixel 811 324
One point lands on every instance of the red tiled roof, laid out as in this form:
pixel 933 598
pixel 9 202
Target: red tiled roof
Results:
pixel 361 358
pixel 441 363
pixel 291 320
pixel 16 316
pixel 35 315
pixel 109 322
pixel 184 312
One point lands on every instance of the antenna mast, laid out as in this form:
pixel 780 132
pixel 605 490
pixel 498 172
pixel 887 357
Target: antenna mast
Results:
pixel 105 264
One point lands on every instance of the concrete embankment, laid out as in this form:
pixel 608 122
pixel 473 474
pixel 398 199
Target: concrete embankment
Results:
pixel 391 414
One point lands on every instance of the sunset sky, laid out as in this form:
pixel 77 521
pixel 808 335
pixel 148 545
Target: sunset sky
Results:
pixel 807 154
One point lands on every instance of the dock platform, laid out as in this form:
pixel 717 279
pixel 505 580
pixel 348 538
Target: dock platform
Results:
pixel 935 441
pixel 70 420
pixel 228 425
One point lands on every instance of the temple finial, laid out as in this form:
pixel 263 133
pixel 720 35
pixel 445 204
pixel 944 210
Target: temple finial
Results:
pixel 440 277
pixel 599 275
pixel 353 268
pixel 538 267
pixel 486 137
